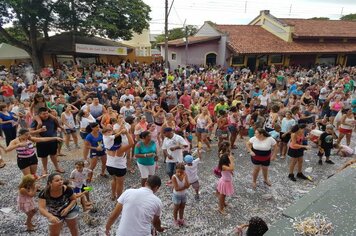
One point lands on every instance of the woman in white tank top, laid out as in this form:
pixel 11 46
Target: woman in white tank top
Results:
pixel 68 122
pixel 180 187
pixel 347 125
pixel 203 122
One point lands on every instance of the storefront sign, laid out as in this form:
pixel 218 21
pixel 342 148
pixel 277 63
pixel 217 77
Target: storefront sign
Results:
pixel 96 49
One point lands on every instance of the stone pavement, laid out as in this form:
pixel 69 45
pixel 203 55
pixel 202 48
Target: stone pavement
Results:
pixel 202 217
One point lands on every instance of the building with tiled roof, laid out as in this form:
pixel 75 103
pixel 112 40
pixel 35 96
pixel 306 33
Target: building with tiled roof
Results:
pixel 268 40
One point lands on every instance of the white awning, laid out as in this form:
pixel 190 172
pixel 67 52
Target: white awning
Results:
pixel 8 52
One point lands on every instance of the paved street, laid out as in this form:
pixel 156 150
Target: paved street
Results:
pixel 202 217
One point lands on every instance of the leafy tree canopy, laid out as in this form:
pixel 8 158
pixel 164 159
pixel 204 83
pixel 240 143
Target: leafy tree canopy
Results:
pixel 107 18
pixel 177 33
pixel 320 18
pixel 349 17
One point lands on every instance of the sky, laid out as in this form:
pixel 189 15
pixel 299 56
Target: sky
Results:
pixel 195 12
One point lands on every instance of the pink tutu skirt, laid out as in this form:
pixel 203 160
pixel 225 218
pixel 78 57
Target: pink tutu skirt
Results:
pixel 225 187
pixel 25 203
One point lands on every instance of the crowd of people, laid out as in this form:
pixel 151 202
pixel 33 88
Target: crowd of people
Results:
pixel 134 115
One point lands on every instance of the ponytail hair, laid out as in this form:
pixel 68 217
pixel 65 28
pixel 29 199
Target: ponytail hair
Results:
pixel 90 127
pixel 46 191
pixel 144 134
pixel 224 160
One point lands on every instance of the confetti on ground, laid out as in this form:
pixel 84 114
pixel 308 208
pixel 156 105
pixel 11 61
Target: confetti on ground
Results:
pixel 316 225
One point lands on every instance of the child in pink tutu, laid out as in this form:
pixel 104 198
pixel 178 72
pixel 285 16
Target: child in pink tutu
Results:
pixel 27 190
pixel 225 186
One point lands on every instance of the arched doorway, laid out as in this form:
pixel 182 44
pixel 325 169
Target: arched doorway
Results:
pixel 210 59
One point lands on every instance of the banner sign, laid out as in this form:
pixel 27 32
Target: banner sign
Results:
pixel 96 49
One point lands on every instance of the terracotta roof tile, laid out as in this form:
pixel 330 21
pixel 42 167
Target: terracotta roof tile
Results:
pixel 253 39
pixel 191 40
pixel 322 28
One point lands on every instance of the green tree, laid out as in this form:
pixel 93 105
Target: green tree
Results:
pixel 177 33
pixel 320 18
pixel 349 17
pixel 107 18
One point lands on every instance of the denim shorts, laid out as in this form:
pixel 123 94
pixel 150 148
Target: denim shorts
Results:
pixel 202 130
pixel 178 199
pixel 232 128
pixel 72 214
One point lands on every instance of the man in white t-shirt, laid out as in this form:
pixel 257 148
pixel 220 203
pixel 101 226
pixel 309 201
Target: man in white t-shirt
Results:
pixel 127 110
pixel 126 96
pixel 140 210
pixel 173 145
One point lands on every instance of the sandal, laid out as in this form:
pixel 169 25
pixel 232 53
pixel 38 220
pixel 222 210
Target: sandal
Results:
pixel 222 212
pixel 2 163
pixel 60 171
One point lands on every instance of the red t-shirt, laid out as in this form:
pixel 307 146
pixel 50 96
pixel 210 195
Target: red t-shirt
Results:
pixel 7 91
pixel 185 100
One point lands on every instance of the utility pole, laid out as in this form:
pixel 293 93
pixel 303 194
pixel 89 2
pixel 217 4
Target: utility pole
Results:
pixel 166 37
pixel 166 66
pixel 186 42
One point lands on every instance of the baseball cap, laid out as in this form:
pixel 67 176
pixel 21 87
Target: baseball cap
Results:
pixel 188 159
pixel 167 129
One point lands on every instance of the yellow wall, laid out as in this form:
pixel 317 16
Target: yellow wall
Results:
pixel 263 19
pixel 140 40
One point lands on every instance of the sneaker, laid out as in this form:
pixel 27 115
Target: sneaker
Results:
pixel 320 162
pixel 301 176
pixel 329 162
pixel 291 177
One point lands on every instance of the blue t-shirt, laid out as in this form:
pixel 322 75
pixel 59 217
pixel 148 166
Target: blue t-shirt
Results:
pixel 51 127
pixel 256 94
pixel 141 148
pixel 95 141
pixel 292 88
pixel 7 118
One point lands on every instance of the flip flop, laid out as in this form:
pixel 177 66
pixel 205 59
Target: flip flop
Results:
pixel 60 171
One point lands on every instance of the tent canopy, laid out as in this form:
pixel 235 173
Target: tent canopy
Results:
pixel 8 52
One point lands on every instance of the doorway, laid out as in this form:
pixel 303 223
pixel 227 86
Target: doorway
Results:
pixel 210 59
pixel 251 63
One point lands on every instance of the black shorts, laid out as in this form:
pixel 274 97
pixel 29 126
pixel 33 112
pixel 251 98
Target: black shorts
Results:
pixel 260 163
pixel 47 148
pixel 116 171
pixel 286 138
pixel 70 131
pixel 83 135
pixel 23 163
pixel 295 153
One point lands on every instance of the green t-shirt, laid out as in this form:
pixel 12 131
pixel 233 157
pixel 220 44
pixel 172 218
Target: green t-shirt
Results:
pixel 220 107
pixel 141 148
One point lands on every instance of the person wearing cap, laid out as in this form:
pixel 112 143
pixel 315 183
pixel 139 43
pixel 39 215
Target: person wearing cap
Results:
pixel 191 169
pixel 172 147
pixel 325 144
